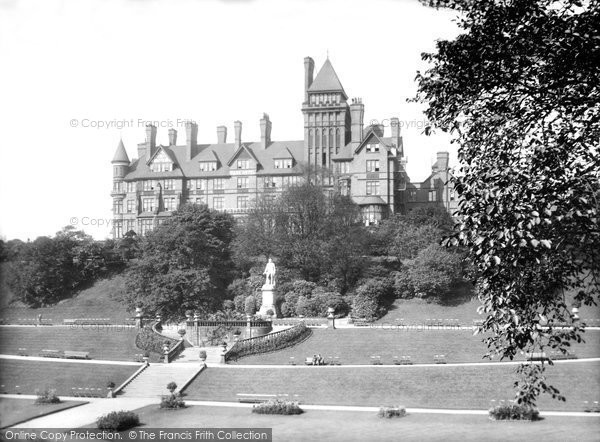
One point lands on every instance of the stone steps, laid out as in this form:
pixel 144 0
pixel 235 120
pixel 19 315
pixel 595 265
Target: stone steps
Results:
pixel 153 380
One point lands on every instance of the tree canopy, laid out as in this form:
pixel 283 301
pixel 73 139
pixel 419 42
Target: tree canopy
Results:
pixel 519 89
pixel 184 264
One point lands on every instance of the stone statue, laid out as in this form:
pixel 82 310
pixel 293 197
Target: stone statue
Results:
pixel 270 272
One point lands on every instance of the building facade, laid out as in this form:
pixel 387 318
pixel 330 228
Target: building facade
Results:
pixel 337 151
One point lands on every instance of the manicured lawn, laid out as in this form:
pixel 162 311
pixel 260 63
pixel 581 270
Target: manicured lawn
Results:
pixel 416 311
pixel 356 346
pixel 415 387
pixel 14 411
pixel 316 425
pixel 32 375
pixel 102 342
pixel 93 302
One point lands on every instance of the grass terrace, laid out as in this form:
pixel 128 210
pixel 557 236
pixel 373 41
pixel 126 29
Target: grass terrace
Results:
pixel 14 411
pixel 94 302
pixel 356 346
pixel 61 376
pixel 441 386
pixel 362 426
pixel 416 311
pixel 115 343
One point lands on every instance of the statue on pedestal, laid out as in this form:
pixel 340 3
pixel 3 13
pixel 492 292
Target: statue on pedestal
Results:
pixel 268 304
pixel 269 272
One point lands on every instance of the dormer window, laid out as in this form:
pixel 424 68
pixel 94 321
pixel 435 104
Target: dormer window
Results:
pixel 283 164
pixel 373 147
pixel 208 166
pixel 161 167
pixel 242 164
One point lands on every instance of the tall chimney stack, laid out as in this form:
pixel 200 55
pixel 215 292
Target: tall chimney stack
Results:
pixel 357 113
pixel 191 132
pixel 309 68
pixel 150 140
pixel 238 133
pixel 265 131
pixel 221 134
pixel 172 137
pixel 443 159
pixel 396 138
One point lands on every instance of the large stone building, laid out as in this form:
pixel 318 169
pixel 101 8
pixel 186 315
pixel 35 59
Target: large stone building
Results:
pixel 338 151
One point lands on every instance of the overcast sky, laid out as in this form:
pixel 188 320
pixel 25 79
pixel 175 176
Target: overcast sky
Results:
pixel 69 64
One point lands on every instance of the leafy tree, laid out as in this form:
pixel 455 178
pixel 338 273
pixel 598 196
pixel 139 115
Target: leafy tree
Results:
pixel 520 90
pixel 372 297
pixel 185 264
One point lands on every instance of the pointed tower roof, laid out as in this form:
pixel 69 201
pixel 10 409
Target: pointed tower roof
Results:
pixel 327 80
pixel 120 154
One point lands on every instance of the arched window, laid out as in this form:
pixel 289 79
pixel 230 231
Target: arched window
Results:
pixel 310 139
pixel 331 138
pixel 324 138
pixel 317 139
pixel 337 140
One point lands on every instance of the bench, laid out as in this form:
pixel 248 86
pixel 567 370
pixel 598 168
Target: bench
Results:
pixel 69 354
pixel 292 361
pixel 406 360
pixel 87 392
pixel 51 354
pixel 23 352
pixel 376 360
pixel 536 356
pixel 362 324
pixel 252 398
pixel 439 359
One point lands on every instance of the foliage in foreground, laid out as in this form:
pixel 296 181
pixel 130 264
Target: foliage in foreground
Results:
pixel 524 106
pixel 172 401
pixel 514 412
pixel 118 421
pixel 389 412
pixel 277 406
pixel 47 396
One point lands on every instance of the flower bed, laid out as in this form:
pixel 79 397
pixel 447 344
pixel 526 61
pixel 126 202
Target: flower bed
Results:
pixel 278 406
pixel 271 342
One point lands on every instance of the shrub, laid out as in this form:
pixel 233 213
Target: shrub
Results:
pixel 110 384
pixel 372 298
pixel 202 354
pixel 147 339
pixel 514 412
pixel 47 396
pixel 118 420
pixel 172 401
pixel 270 312
pixel 277 406
pixel 389 412
pixel 181 332
pixel 171 386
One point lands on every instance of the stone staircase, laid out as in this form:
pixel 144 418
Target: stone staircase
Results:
pixel 152 382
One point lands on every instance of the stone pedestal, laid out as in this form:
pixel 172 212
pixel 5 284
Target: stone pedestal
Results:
pixel 268 300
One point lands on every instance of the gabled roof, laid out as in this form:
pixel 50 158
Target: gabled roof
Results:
pixel 327 80
pixel 371 133
pixel 120 154
pixel 285 154
pixel 208 155
pixel 240 149
pixel 166 150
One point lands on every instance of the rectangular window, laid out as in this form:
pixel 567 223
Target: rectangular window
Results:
pixel 412 195
pixel 432 195
pixel 118 229
pixel 167 184
pixel 169 204
pixel 131 186
pixel 452 194
pixel 117 186
pixel 200 200
pixel 242 202
pixel 148 204
pixel 218 184
pixel 283 164
pixel 242 164
pixel 242 182
pixel 372 165
pixel 372 148
pixel 145 226
pixel 218 203
pixel 269 182
pixel 130 206
pixel 208 166
pixel 118 207
pixel 148 185
pixel 373 187
pixel 343 167
pixel 129 225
